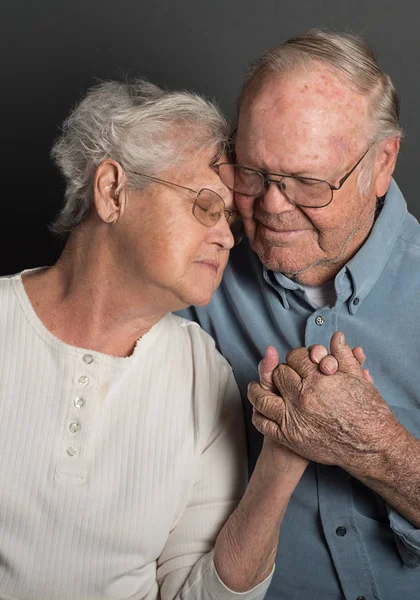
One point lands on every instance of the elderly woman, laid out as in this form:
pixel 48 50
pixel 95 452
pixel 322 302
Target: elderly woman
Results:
pixel 121 439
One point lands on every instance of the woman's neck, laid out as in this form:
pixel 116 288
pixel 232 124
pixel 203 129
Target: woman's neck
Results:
pixel 86 300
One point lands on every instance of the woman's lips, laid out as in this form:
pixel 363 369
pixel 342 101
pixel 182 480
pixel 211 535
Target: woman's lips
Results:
pixel 212 265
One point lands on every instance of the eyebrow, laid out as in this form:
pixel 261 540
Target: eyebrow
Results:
pixel 297 174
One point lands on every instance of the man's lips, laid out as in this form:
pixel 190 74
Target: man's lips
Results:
pixel 281 232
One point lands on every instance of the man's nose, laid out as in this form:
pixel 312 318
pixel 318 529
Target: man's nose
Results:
pixel 273 200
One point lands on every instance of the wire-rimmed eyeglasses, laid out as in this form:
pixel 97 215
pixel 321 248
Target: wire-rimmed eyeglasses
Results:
pixel 301 191
pixel 208 207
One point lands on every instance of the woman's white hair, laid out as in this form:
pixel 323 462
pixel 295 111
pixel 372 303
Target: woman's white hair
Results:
pixel 138 124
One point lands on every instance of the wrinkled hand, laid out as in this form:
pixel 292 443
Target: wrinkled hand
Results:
pixel 328 364
pixel 337 420
pixel 285 457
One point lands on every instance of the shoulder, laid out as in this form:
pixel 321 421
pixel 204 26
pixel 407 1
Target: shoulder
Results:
pixel 8 287
pixel 214 390
pixel 202 345
pixel 6 281
pixel 409 233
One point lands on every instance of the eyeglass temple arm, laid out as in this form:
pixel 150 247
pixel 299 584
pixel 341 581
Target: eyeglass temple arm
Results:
pixel 344 179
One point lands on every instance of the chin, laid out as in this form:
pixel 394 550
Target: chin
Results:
pixel 201 300
pixel 281 259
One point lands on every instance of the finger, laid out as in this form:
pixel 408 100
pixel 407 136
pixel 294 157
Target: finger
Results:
pixel 359 355
pixel 288 382
pixel 267 427
pixel 267 403
pixel 317 353
pixel 266 368
pixel 328 365
pixel 368 376
pixel 347 363
pixel 299 360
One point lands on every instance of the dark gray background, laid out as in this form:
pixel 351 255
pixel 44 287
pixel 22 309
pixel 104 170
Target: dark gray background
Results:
pixel 52 50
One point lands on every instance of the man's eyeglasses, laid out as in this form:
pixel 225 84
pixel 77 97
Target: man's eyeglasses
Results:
pixel 301 191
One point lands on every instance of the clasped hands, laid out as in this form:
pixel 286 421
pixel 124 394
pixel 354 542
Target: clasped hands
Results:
pixel 323 407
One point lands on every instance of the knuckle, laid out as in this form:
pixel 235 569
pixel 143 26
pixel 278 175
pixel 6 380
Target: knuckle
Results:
pixel 297 356
pixel 294 354
pixel 257 397
pixel 253 389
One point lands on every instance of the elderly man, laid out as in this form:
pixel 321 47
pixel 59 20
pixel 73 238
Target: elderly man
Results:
pixel 331 247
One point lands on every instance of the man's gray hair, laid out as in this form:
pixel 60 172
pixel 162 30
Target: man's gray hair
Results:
pixel 354 63
pixel 138 124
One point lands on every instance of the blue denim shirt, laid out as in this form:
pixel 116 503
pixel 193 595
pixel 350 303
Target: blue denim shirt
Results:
pixel 339 539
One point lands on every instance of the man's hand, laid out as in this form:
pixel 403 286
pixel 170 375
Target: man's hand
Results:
pixel 340 419
pixel 328 364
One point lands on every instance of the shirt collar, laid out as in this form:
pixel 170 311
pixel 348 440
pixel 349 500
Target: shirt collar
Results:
pixel 367 265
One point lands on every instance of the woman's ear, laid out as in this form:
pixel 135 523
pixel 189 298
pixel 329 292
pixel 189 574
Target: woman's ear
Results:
pixel 385 164
pixel 107 189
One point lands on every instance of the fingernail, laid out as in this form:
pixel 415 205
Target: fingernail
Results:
pixel 328 367
pixel 342 338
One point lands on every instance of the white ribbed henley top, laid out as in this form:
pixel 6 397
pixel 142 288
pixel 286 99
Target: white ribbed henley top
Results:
pixel 116 474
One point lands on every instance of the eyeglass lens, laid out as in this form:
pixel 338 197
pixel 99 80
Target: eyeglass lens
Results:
pixel 302 191
pixel 208 207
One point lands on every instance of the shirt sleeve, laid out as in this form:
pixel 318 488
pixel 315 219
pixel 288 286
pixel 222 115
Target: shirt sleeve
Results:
pixel 407 538
pixel 186 569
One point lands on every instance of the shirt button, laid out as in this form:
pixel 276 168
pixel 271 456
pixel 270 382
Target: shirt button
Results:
pixel 74 427
pixel 71 451
pixel 360 598
pixel 87 358
pixel 319 320
pixel 83 380
pixel 341 531
pixel 78 402
pixel 356 302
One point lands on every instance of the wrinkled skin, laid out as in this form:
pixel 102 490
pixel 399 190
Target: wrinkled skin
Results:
pixel 339 420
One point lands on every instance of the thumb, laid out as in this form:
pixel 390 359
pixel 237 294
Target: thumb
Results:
pixel 347 362
pixel 266 368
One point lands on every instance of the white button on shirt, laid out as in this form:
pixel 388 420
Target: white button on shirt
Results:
pixel 78 402
pixel 83 380
pixel 74 427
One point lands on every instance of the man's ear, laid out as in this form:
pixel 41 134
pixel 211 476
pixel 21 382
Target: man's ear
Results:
pixel 107 189
pixel 385 165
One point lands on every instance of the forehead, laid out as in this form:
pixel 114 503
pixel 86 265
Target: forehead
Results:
pixel 306 113
pixel 195 170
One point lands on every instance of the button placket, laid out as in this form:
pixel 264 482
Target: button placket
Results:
pixel 83 381
pixel 74 426
pixel 72 461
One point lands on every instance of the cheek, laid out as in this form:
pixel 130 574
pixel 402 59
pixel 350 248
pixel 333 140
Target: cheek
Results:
pixel 245 205
pixel 334 216
pixel 183 244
